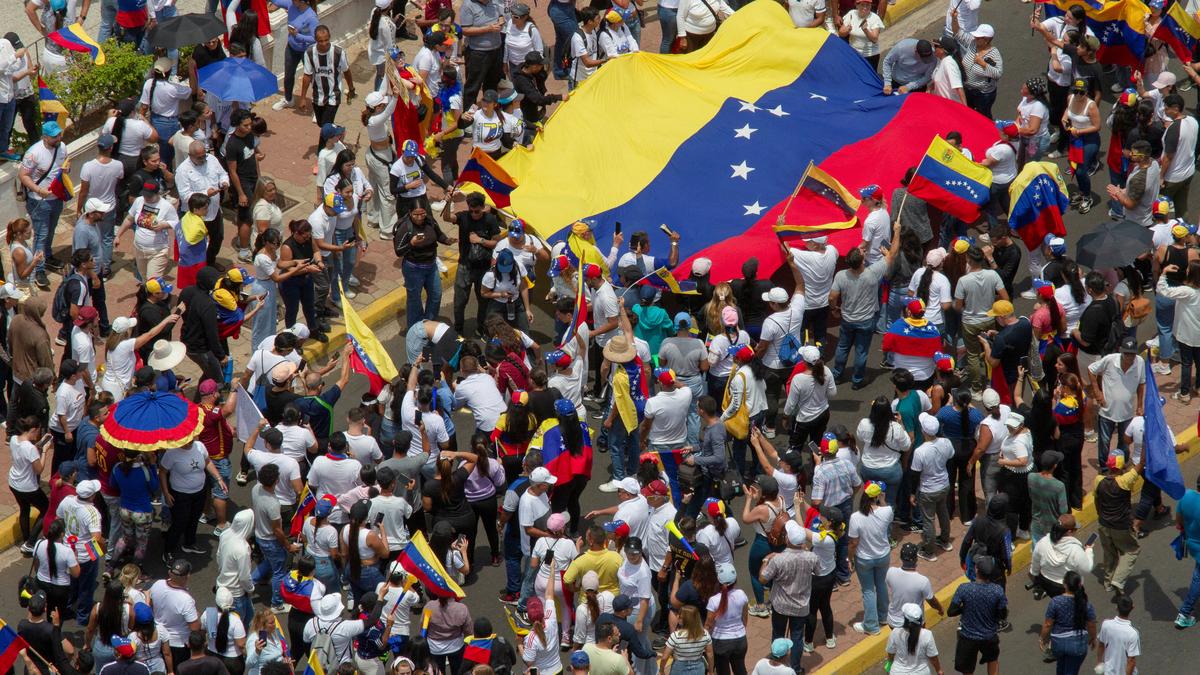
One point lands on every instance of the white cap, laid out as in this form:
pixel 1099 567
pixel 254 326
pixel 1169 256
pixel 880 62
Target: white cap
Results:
pixel 542 475
pixel 10 292
pixel 990 398
pixel 912 611
pixel 224 598
pixel 374 98
pixel 1165 79
pixel 383 4
pixel 823 239
pixel 795 533
pixel 1014 420
pixel 726 573
pixel 299 330
pixel 123 323
pixel 701 266
pixel 87 489
pixel 776 295
pixel 630 485
pixel 810 353
pixel 94 205
pixel 929 424
pixel 984 30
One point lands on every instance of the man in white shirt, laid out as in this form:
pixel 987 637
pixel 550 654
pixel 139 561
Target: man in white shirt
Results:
pixel 929 460
pixel 905 584
pixel 1119 643
pixel 361 444
pixel 664 427
pixel 807 13
pixel 283 348
pixel 605 312
pixel 632 508
pixel 657 544
pixel 203 174
pixel 290 484
pixel 39 166
pixel 395 509
pixel 947 76
pixel 877 227
pixel 334 473
pixel 1118 385
pixel 175 609
pixel 533 505
pixel 1178 160
pixel 477 390
pixel 785 319
pixel 817 263
pixel 99 179
pixel 527 249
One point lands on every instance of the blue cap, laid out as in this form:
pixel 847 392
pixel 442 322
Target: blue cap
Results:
pixel 516 228
pixel 67 469
pixel 564 407
pixel 647 293
pixel 336 202
pixel 505 260
pixel 58 5
pixel 780 647
pixel 142 613
pixel 683 319
pixel 395 53
pixel 324 507
pixel 871 191
pixel 51 128
pixel 410 148
pixel 329 130
pixel 579 659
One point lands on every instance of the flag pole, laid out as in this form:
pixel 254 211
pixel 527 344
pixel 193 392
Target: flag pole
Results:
pixel 799 184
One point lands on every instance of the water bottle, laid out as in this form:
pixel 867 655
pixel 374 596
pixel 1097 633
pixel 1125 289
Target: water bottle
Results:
pixel 510 309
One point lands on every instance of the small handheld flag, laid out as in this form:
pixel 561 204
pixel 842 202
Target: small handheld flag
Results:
pixel 314 664
pixel 52 109
pixel 663 280
pixel 673 529
pixel 951 182
pixel 306 504
pixel 425 616
pixel 11 646
pixel 368 357
pixel 61 186
pixel 483 171
pixel 281 637
pixel 420 561
pixel 76 39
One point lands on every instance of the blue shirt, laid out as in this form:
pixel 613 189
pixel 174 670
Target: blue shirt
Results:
pixel 1189 508
pixel 304 22
pixel 1061 610
pixel 951 420
pixel 136 486
pixel 85 437
pixel 980 602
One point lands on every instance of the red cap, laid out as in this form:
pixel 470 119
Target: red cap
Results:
pixel 592 271
pixel 916 307
pixel 744 354
pixel 714 509
pixel 656 487
pixel 520 397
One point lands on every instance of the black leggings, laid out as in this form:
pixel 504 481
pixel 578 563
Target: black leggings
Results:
pixel 57 597
pixel 296 621
pixel 1020 508
pixel 24 501
pixel 449 663
pixel 486 510
pixel 962 480
pixel 1070 472
pixel 185 518
pixel 822 592
pixel 730 656
pixel 802 433
pixel 566 497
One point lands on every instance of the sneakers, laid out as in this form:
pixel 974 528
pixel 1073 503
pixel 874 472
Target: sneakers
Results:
pixel 438 205
pixel 769 432
pixel 760 611
pixel 509 598
pixel 242 478
pixel 1023 534
pixel 1113 215
pixel 1086 204
pixel 609 487
pixel 353 281
pixel 1183 621
pixel 42 281
pixel 1090 436
pixel 60 342
pixel 205 519
pixel 386 236
pixel 26 550
pixel 843 582
pixel 351 293
pixel 281 104
pixel 860 628
pixel 1161 368
pixel 279 609
pixel 926 555
pixel 194 549
pixel 947 546
pixel 1029 294
pixel 831 643
pixel 1053 154
pixel 244 255
pixel 218 531
pixel 1181 397
pixel 809 648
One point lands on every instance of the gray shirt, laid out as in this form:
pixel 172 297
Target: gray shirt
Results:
pixel 711 457
pixel 860 292
pixel 682 355
pixel 903 66
pixel 86 236
pixel 1142 187
pixel 978 291
pixel 475 14
pixel 266 510
pixel 914 215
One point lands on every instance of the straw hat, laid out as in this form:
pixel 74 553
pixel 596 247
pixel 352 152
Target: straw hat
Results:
pixel 620 350
pixel 166 355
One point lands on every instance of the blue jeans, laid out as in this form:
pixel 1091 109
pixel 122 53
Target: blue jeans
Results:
pixel 1164 318
pixel 367 581
pixel 108 232
pixel 327 573
pixel 343 262
pixel 562 15
pixel 699 388
pixel 166 128
pixel 43 215
pixel 83 590
pixel 108 20
pixel 274 562
pixel 1116 178
pixel 891 477
pixel 244 607
pixel 8 115
pixel 872 576
pixel 859 336
pixel 1189 603
pixel 841 549
pixel 1091 148
pixel 666 19
pixel 623 448
pixel 1068 663
pixel 528 575
pixel 417 278
pixel 266 321
pixel 1104 433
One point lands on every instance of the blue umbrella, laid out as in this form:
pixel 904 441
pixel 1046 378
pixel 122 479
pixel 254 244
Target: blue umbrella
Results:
pixel 240 80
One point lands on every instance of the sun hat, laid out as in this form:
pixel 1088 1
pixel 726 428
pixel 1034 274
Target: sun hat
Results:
pixel 166 354
pixel 619 350
pixel 329 607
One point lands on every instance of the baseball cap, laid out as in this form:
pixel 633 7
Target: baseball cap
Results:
pixel 122 646
pixel 87 489
pixel 913 612
pixel 325 506
pixel 579 658
pixel 776 295
pixel 158 285
pixel 924 48
pixel 873 191
pixel 943 361
pixel 795 533
pixel 665 376
pixel 490 96
pixel 946 42
pixel 335 201
pixel 86 315
pixel 123 323
pixel 683 319
pixel 633 546
pixel 505 261
pixel 908 552
pixel 1165 79
pixel 874 488
pixel 563 407
pixel 1000 308
pixel 617 528
pixel 1057 246
pixel 142 613
pixel 929 424
pixel 621 603
pixel 592 271
pixel 10 292
pixel 519 397
pixel 410 149
pixel 556 522
pixel 729 316
pixel 701 266
pixel 1014 420
pixel 990 398
pixel 516 228
pixel 591 581
pixel 984 30
pixel 208 386
pixel 656 487
pixel 520 9
pixel 726 573
pixel 1129 346
pixel 51 128
pixel 329 130
pixel 781 647
pixel 810 354
pixel 542 476
pixel 559 358
pixel 181 567
pixel 915 307
pixel 374 98
pixel 106 141
pixel 630 485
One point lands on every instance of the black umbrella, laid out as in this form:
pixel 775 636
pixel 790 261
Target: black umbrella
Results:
pixel 1112 245
pixel 186 30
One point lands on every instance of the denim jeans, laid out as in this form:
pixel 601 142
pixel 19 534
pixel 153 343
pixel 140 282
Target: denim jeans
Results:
pixel 783 625
pixel 1116 178
pixel 699 388
pixel 8 115
pixel 858 336
pixel 1066 649
pixel 1189 357
pixel 562 15
pixel 1104 433
pixel 1164 319
pixel 274 561
pixel 244 607
pixel 108 20
pixel 981 101
pixel 666 19
pixel 1091 147
pixel 166 128
pixel 513 575
pixel 326 572
pixel 841 549
pixel 872 575
pixel 623 449
pixel 889 313
pixel 891 477
pixel 528 575
pixel 83 590
pixel 291 60
pixel 108 232
pixel 421 277
pixel 343 262
pixel 43 214
pixel 1189 602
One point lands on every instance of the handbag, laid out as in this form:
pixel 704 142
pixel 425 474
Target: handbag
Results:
pixel 738 426
pixel 28 584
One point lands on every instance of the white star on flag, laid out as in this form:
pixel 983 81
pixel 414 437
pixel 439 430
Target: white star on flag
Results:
pixel 754 209
pixel 747 106
pixel 817 96
pixel 778 111
pixel 741 170
pixel 744 132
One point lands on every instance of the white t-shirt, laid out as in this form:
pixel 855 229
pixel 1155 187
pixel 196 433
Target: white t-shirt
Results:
pixel 947 77
pixel 817 269
pixel 779 324
pixel 859 26
pixel 1019 447
pixel 135 135
pixel 764 667
pixel 69 402
pixel 296 441
pixel 185 467
pixel 341 633
pixel 209 622
pixel 1121 641
pixel 636 514
pixel 929 459
pixel 1071 310
pixel 430 61
pixel 669 412
pixel 876 231
pixel 543 656
pixel 319 542
pixel 520 41
pixel 998 429
pixel 804 12
pixel 1120 386
pixel 563 550
pixel 604 308
pixel 20 475
pixel 145 215
pixel 616 42
pixel 634 580
pixel 435 428
pixel 102 179
pixel 486 130
pixel 939 292
pixel 582 42
pixel 64 560
pixel 729 625
pixel 872 532
pixel 479 391
pixel 508 284
pixel 1028 109
pixel 289 470
pixel 174 608
pixel 881 456
pixel 121 362
pixel 333 476
pixel 905 586
pixel 916 663
pixel 720 546
pixel 364 448
pixel 1183 161
pixel 529 509
pixel 83 350
pixel 1004 168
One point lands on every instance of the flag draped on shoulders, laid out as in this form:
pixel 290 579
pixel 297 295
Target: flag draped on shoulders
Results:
pixel 912 337
pixel 557 457
pixel 1039 200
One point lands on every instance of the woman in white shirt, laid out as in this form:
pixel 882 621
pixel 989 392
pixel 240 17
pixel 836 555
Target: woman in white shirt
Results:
pixel 132 133
pixel 990 435
pixel 382 33
pixel 911 647
pixel 377 117
pixel 1033 118
pixel 747 388
pixel 592 603
pixel 268 273
pixel 883 441
pixel 808 401
pixel 697 21
pixel 615 37
pixel 487 125
pixel 563 551
pixel 721 533
pixel 70 399
pixel 23 475
pixel 862 27
pixel 728 612
pixel 932 287
pixel 541 646
pixel 506 287
pixel 870 527
pixel 521 36
pixel 321 543
pixel 346 234
pixel 1016 461
pixel 266 213
pixel 56 567
pixel 120 353
pixel 226 632
pixel 1070 295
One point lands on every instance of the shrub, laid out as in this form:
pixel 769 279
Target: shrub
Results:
pixel 84 88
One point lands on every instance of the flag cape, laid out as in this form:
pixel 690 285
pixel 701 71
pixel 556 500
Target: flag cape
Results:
pixel 1119 24
pixel 61 186
pixel 305 505
pixel 1039 200
pixel 420 561
pixel 948 180
pixel 11 645
pixel 1162 465
pixel 662 279
pixel 483 171
pixel 556 457
pixel 1067 411
pixel 297 591
pixel 76 39
pixel 673 530
pixel 582 252
pixel 910 337
pixel 668 462
pixel 52 109
pixel 414 110
pixel 369 357
pixel 314 664
pixel 1180 29
pixel 1074 154
pixel 730 127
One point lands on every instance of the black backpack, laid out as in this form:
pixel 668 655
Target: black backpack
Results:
pixel 60 310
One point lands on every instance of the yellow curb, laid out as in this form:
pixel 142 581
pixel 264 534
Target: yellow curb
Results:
pixel 903 8
pixel 864 654
pixel 10 528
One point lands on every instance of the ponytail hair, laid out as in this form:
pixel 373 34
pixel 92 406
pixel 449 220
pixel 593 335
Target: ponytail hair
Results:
pixel 221 641
pixel 1074 583
pixel 923 286
pixel 914 634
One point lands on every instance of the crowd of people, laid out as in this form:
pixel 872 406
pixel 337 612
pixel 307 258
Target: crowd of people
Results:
pixel 714 408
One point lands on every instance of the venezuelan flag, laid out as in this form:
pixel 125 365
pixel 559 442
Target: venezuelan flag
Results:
pixel 1067 411
pixel 306 504
pixel 556 457
pixel 483 171
pixel 477 650
pixel 1074 154
pixel 579 315
pixel 369 357
pixel 829 188
pixel 912 337
pixel 313 666
pixel 420 561
pixel 11 646
pixel 281 637
pixel 1039 200
pixel 728 127
pixel 132 13
pixel 297 591
pixel 52 109
pixel 951 182
pixel 1119 24
pixel 76 39
pixel 61 186
pixel 1180 29
pixel 663 280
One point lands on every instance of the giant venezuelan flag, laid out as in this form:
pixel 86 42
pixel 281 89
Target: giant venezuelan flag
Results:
pixel 1119 24
pixel 722 137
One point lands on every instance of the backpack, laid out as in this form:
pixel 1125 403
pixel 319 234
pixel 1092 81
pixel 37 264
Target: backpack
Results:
pixel 322 646
pixel 1116 328
pixel 777 535
pixel 60 310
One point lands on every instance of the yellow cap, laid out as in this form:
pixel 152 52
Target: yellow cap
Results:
pixel 612 16
pixel 224 298
pixel 1000 308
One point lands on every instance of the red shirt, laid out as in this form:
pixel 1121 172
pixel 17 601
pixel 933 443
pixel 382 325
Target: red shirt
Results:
pixel 106 458
pixel 215 433
pixel 433 7
pixel 58 491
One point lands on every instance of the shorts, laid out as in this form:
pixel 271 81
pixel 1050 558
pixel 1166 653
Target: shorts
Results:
pixel 223 468
pixel 1085 359
pixel 243 214
pixel 969 653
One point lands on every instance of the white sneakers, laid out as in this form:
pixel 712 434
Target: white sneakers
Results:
pixel 1029 294
pixel 610 486
pixel 281 104
pixel 1161 368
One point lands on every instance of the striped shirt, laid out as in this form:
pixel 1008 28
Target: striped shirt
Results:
pixel 834 481
pixel 325 69
pixel 685 649
pixel 975 76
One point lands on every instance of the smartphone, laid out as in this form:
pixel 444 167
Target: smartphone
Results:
pixel 532 671
pixel 617 228
pixel 262 635
pixel 312 260
pixel 334 356
pixel 378 519
pixel 462 539
pixel 1091 540
pixel 177 310
pixel 46 438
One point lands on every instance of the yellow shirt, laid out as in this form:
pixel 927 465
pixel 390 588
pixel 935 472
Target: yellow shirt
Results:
pixel 604 563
